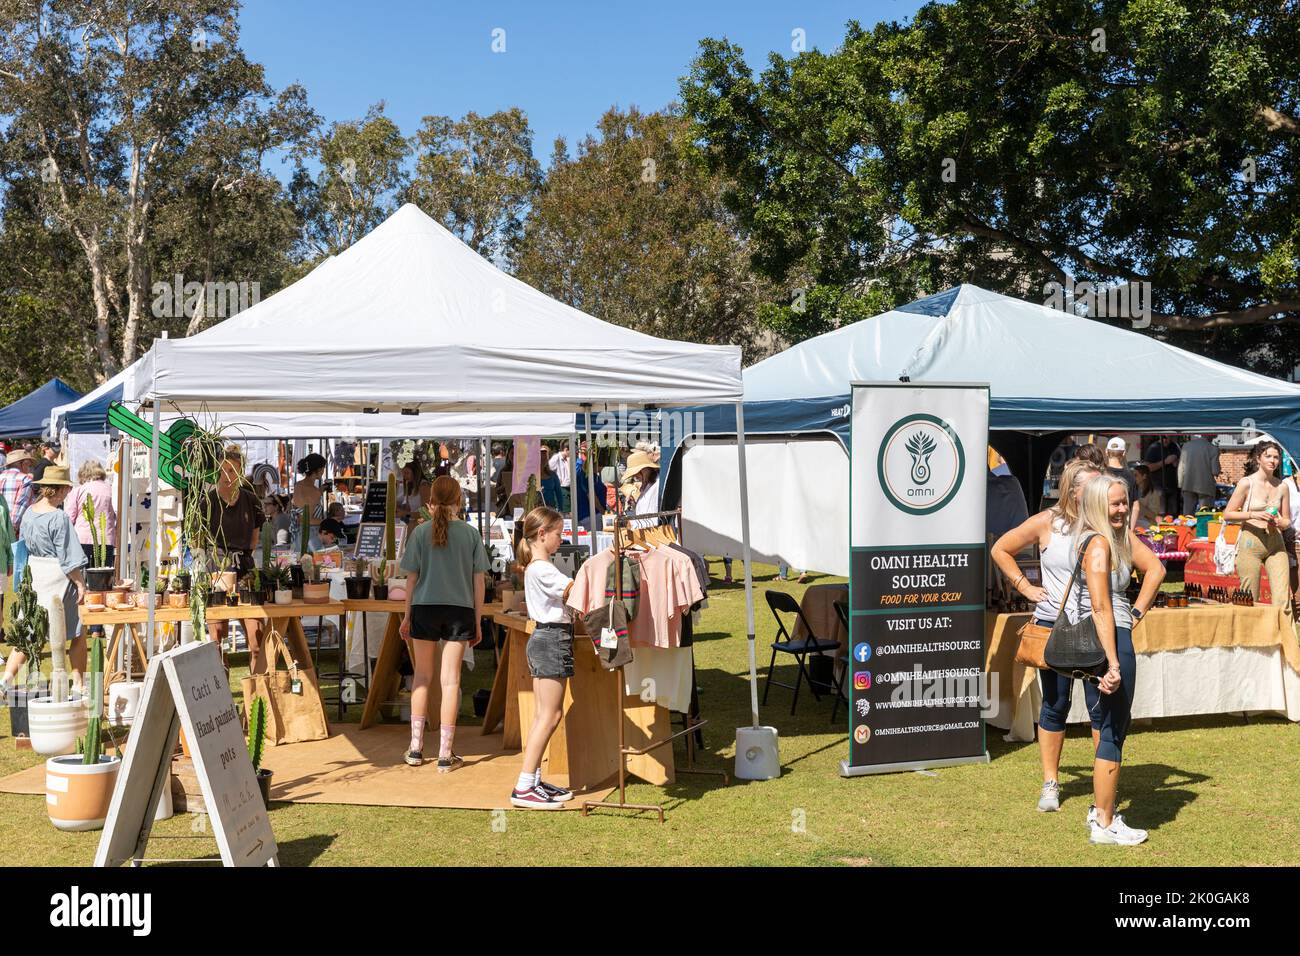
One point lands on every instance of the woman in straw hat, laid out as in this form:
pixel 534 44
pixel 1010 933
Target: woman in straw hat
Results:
pixel 48 532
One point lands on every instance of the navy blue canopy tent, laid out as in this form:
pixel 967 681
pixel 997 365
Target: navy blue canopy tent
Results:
pixel 30 415
pixel 1051 373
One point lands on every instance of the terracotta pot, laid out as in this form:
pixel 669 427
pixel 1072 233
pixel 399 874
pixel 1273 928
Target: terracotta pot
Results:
pixel 118 597
pixel 177 600
pixel 226 580
pixel 96 598
pixel 77 795
pixel 316 593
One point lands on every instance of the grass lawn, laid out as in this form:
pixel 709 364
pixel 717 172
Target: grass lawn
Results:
pixel 1212 791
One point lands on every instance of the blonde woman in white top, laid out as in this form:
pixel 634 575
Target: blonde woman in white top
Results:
pixel 1111 553
pixel 1051 530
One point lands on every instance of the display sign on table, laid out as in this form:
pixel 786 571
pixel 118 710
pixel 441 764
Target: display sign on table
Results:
pixel 370 541
pixel 186 689
pixel 376 506
pixel 916 576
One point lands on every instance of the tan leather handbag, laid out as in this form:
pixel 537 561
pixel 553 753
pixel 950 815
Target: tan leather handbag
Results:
pixel 1033 639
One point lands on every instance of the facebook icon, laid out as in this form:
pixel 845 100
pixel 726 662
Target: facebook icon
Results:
pixel 862 653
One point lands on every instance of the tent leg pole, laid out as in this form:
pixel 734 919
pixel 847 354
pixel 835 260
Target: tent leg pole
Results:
pixel 573 484
pixel 745 555
pixel 591 483
pixel 155 529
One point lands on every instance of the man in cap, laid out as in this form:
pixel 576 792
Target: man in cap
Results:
pixel 49 456
pixel 1117 465
pixel 16 485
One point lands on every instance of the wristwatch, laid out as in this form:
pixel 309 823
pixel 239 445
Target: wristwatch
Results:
pixel 1137 614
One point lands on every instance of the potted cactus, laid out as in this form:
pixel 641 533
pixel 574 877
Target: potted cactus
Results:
pixel 380 575
pixel 99 577
pixel 79 787
pixel 314 590
pixel 26 632
pixel 257 746
pixel 282 584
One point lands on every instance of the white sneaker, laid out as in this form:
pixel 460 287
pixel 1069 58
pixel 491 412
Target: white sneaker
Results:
pixel 1119 833
pixel 1050 799
pixel 1092 815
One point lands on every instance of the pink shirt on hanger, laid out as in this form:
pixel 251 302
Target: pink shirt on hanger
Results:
pixel 669 587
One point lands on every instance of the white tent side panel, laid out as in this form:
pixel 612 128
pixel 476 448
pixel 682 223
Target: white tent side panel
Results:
pixel 798 501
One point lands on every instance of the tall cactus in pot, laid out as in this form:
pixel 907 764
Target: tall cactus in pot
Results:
pixel 390 520
pixel 91 747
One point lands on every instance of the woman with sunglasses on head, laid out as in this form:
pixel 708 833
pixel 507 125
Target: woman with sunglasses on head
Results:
pixel 1051 530
pixel 1261 505
pixel 1110 553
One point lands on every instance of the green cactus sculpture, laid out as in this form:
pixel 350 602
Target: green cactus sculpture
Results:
pixel 91 748
pixel 256 731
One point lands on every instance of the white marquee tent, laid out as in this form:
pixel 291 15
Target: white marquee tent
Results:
pixel 410 319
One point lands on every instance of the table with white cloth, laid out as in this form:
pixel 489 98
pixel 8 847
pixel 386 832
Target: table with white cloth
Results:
pixel 818 607
pixel 1205 659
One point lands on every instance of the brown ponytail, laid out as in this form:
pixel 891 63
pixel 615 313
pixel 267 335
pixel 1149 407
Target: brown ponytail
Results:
pixel 445 501
pixel 535 522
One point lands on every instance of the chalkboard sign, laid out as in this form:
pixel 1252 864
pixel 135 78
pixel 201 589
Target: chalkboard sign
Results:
pixel 376 502
pixel 370 541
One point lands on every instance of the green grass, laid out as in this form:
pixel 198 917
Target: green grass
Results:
pixel 1213 791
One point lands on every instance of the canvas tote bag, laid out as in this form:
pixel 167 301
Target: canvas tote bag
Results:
pixel 295 712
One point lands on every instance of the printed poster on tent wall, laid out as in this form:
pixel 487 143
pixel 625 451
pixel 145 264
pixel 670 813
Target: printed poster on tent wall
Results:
pixel 917 556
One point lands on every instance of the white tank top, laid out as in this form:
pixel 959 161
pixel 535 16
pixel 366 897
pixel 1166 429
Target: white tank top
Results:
pixel 1056 562
pixel 1123 611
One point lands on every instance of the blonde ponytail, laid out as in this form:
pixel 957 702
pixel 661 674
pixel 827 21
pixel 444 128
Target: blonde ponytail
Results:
pixel 536 522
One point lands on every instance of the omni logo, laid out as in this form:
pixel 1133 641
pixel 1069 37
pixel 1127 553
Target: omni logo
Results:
pixel 921 464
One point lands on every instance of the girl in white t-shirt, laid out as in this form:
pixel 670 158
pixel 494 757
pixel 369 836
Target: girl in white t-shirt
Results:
pixel 550 653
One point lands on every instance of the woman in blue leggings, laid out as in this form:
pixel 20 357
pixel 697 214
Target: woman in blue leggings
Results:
pixel 1053 531
pixel 1110 553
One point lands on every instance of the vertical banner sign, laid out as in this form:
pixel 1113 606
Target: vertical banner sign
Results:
pixel 916 576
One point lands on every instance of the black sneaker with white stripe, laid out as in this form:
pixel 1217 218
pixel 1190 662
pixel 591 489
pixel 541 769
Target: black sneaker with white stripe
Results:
pixel 558 794
pixel 534 798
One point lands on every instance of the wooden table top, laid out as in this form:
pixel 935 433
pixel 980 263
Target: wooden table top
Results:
pixel 238 612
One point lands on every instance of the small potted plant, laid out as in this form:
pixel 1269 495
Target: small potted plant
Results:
pixel 314 590
pixel 283 585
pixel 257 746
pixel 358 583
pixel 79 787
pixel 380 575
pixel 247 588
pixel 99 578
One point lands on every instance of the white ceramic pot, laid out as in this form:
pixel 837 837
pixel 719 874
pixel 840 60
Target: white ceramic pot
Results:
pixel 123 702
pixel 77 795
pixel 55 727
pixel 283 597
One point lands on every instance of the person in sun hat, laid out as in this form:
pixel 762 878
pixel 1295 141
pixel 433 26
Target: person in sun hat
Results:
pixel 16 484
pixel 48 532
pixel 641 486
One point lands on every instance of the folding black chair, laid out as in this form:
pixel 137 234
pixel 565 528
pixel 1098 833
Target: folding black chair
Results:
pixel 780 601
pixel 842 658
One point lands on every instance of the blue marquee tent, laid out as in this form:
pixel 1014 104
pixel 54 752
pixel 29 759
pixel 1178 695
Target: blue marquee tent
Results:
pixel 1050 373
pixel 30 415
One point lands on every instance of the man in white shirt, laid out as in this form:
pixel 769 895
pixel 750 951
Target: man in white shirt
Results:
pixel 1198 469
pixel 561 466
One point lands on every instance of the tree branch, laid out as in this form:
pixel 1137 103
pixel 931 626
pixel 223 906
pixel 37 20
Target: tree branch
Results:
pixel 1252 315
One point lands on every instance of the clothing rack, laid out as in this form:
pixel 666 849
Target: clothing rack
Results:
pixel 623 522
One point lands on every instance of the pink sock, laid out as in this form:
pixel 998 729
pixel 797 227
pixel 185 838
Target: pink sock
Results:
pixel 445 737
pixel 417 733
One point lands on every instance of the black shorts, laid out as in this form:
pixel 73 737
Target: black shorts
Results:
pixel 442 622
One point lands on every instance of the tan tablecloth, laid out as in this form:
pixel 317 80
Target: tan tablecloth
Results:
pixel 1189 662
pixel 818 606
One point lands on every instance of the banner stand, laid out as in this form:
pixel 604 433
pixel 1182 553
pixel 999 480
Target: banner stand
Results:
pixel 918 558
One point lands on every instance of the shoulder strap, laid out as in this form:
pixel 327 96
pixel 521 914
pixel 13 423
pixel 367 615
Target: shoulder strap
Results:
pixel 1078 565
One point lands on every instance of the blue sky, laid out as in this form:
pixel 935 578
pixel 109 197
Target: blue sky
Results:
pixel 564 63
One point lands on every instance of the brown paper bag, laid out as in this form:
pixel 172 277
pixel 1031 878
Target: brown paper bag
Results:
pixel 290 718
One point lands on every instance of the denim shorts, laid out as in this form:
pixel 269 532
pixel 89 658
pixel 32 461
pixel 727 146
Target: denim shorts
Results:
pixel 550 651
